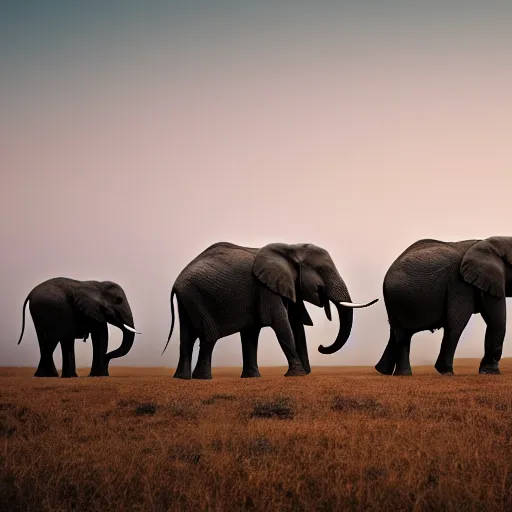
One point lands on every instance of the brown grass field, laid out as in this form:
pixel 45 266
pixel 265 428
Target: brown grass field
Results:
pixel 342 438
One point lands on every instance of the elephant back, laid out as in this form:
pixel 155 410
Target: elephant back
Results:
pixel 52 312
pixel 218 290
pixel 416 283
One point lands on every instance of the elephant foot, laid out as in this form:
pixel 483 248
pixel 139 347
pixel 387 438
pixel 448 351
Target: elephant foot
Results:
pixel 202 376
pixel 444 370
pixel 249 374
pixel 295 372
pixel 182 375
pixel 44 372
pixel 402 373
pixel 68 376
pixel 489 369
pixel 385 369
pixel 202 371
pixel 99 372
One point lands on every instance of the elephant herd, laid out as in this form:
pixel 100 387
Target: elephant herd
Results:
pixel 229 289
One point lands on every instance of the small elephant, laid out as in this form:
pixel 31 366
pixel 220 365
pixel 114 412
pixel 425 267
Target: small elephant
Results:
pixel 229 288
pixel 435 284
pixel 64 310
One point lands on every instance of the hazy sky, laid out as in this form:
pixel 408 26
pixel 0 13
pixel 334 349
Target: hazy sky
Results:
pixel 135 134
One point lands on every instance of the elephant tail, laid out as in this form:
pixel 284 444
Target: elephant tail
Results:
pixel 23 318
pixel 173 293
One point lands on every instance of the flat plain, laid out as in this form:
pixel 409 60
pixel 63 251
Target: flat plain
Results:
pixel 341 438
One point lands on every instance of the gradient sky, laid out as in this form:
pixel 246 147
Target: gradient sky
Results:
pixel 135 134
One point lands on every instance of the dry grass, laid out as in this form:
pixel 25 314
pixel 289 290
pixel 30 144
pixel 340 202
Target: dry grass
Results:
pixel 338 439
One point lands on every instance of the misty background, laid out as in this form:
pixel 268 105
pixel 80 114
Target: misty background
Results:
pixel 135 134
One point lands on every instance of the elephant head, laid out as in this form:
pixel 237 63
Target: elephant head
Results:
pixel 487 266
pixel 106 301
pixel 301 272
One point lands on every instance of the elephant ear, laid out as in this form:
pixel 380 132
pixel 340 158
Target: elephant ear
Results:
pixel 275 270
pixel 483 267
pixel 88 302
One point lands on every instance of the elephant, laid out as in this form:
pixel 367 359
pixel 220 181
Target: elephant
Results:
pixel 229 288
pixel 435 284
pixel 65 309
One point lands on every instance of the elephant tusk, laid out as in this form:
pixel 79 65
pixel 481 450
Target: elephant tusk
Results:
pixel 354 305
pixel 131 329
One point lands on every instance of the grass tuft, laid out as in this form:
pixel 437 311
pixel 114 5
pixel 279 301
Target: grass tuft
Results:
pixel 279 408
pixel 218 397
pixel 146 408
pixel 364 405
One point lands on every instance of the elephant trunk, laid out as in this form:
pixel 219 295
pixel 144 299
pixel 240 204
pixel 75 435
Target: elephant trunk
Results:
pixel 346 316
pixel 128 337
pixel 124 348
pixel 336 291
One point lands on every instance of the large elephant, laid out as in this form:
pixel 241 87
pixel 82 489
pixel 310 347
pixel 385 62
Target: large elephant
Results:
pixel 228 289
pixel 435 284
pixel 64 309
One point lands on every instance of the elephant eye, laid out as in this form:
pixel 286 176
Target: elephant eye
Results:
pixel 118 300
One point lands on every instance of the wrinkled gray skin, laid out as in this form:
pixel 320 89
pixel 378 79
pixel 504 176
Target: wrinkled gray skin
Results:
pixel 434 285
pixel 64 309
pixel 229 289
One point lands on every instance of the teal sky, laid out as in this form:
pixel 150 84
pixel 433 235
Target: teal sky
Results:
pixel 167 40
pixel 134 134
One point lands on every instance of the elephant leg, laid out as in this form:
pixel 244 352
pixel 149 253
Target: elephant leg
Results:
pixel 249 339
pixel 494 313
pixel 451 336
pixel 46 366
pixel 403 349
pixel 68 358
pixel 460 306
pixel 299 336
pixel 284 335
pixel 387 362
pixel 203 369
pixel 99 338
pixel 187 340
